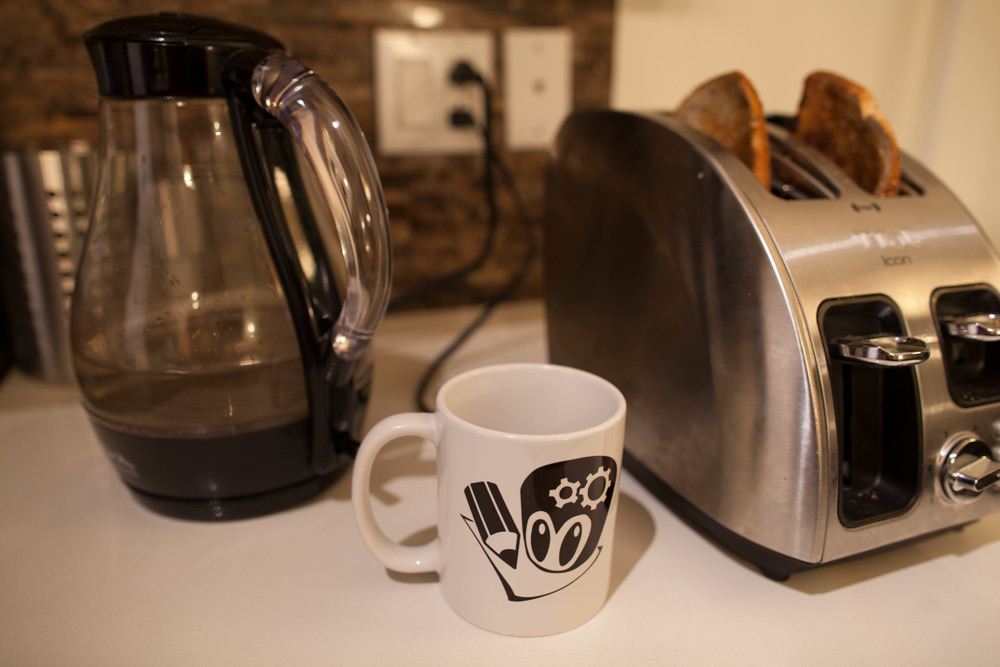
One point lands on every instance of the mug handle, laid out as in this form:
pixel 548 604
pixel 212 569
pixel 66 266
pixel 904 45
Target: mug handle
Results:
pixel 393 555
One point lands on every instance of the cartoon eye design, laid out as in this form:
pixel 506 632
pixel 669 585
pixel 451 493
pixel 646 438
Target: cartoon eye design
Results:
pixel 552 550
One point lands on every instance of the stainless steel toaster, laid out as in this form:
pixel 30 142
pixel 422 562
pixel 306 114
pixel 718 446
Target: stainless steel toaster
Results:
pixel 811 371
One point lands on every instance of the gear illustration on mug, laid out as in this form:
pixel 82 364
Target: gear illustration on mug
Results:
pixel 557 493
pixel 589 501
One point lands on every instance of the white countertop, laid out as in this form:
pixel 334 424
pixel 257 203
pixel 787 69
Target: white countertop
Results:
pixel 88 577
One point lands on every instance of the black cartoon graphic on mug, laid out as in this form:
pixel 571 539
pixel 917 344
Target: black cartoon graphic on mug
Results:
pixel 564 506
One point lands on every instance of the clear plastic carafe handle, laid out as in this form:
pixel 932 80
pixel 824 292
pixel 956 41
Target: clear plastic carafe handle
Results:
pixel 335 148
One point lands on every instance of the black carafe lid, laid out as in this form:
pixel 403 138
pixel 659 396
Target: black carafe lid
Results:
pixel 167 54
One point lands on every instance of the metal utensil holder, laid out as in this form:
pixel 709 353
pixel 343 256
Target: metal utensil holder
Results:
pixel 43 219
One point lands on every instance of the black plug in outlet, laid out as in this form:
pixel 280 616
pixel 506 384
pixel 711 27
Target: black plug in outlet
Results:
pixel 463 72
pixel 461 117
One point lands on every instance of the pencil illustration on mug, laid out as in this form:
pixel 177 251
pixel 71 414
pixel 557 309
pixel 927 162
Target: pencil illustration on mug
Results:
pixel 496 527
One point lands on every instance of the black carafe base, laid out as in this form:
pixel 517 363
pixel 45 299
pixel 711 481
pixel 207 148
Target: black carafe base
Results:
pixel 217 478
pixel 241 507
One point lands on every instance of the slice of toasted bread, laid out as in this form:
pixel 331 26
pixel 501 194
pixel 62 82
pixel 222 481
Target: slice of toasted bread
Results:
pixel 728 109
pixel 841 119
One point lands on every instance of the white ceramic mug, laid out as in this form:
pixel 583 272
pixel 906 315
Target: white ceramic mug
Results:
pixel 529 458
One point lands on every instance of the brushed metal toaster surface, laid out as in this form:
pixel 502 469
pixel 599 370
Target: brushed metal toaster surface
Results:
pixel 674 273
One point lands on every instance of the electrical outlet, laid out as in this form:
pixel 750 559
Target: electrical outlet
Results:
pixel 538 92
pixel 414 96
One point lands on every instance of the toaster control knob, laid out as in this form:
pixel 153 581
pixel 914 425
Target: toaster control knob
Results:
pixel 970 467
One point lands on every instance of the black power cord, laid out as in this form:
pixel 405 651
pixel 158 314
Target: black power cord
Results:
pixel 502 295
pixel 494 164
pixel 463 73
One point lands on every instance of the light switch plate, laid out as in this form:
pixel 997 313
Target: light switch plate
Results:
pixel 538 85
pixel 414 95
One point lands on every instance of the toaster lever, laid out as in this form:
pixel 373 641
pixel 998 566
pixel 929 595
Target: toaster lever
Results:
pixel 970 469
pixel 983 327
pixel 881 350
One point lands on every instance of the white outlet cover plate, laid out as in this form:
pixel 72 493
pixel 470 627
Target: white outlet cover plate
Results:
pixel 538 85
pixel 414 95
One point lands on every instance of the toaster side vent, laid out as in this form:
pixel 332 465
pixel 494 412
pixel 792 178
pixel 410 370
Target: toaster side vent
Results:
pixel 794 178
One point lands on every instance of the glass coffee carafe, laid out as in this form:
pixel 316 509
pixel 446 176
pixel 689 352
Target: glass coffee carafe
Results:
pixel 236 267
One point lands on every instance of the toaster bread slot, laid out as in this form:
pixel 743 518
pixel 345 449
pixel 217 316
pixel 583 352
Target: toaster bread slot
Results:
pixel 876 405
pixel 968 320
pixel 793 177
pixel 908 187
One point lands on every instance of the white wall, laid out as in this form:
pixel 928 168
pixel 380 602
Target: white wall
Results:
pixel 933 65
